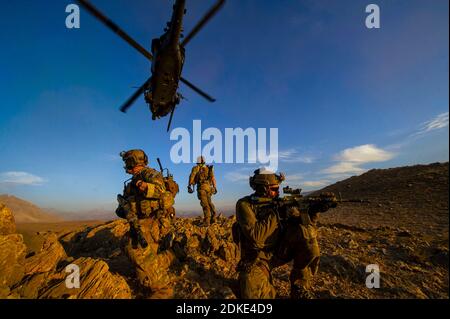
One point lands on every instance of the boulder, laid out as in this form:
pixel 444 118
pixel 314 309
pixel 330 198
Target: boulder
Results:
pixel 48 257
pixel 7 223
pixel 12 256
pixel 99 241
pixel 96 282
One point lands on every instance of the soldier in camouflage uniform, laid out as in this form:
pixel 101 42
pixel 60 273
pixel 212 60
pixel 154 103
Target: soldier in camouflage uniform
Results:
pixel 265 243
pixel 203 176
pixel 145 203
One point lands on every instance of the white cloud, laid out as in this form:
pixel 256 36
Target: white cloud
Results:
pixel 351 159
pixel 364 154
pixel 293 179
pixel 343 168
pixel 20 178
pixel 316 184
pixel 437 123
pixel 293 156
pixel 236 176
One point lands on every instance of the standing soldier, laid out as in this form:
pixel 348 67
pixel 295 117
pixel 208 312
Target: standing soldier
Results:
pixel 145 203
pixel 203 176
pixel 267 242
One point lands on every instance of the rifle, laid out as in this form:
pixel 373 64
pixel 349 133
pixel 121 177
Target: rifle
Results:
pixel 160 166
pixel 127 210
pixel 161 169
pixel 309 204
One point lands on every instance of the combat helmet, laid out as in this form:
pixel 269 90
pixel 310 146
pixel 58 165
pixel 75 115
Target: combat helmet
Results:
pixel 264 178
pixel 201 160
pixel 133 158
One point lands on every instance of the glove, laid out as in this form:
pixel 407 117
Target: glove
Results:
pixel 190 190
pixel 292 212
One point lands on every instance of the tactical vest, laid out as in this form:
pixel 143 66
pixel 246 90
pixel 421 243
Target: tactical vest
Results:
pixel 202 177
pixel 144 206
pixel 203 174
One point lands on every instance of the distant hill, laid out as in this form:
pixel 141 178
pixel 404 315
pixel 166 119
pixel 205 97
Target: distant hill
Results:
pixel 93 214
pixel 26 212
pixel 411 196
pixel 414 187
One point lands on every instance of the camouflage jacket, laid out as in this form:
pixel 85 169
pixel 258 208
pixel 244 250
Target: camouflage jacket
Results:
pixel 144 204
pixel 202 176
pixel 259 228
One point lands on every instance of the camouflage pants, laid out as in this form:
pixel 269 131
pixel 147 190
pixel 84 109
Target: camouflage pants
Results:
pixel 151 266
pixel 209 210
pixel 300 245
pixel 256 282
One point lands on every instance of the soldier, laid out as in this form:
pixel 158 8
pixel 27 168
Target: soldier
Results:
pixel 203 176
pixel 266 242
pixel 145 203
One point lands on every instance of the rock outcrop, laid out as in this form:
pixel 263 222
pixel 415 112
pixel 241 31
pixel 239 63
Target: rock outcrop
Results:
pixel 48 258
pixel 7 223
pixel 12 257
pixel 411 251
pixel 47 273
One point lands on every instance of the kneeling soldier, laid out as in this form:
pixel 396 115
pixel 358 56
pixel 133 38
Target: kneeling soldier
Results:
pixel 267 242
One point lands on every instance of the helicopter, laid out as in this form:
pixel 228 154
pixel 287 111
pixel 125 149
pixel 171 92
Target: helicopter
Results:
pixel 167 59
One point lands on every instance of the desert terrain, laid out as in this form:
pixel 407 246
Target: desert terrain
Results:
pixel 403 228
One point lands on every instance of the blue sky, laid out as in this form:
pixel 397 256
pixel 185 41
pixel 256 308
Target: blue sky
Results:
pixel 344 98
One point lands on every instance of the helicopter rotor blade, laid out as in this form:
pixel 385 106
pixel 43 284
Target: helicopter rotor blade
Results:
pixel 115 28
pixel 133 98
pixel 203 21
pixel 196 89
pixel 170 119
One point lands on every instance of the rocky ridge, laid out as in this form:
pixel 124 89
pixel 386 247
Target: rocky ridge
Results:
pixel 411 253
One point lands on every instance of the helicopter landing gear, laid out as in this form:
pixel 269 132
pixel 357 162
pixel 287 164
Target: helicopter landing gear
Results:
pixel 177 98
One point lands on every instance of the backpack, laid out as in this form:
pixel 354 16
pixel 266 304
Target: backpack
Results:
pixel 171 185
pixel 203 174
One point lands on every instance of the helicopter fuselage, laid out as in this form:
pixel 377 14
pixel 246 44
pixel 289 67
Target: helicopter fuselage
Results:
pixel 168 61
